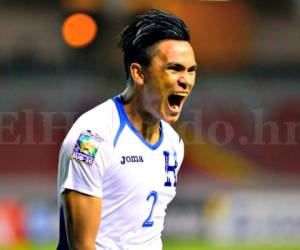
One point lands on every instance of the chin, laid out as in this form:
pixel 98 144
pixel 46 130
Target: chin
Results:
pixel 171 118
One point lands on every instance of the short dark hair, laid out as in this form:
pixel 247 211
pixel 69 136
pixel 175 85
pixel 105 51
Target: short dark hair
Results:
pixel 147 29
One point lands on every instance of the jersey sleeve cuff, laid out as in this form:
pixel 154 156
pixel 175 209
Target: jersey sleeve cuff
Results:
pixel 81 189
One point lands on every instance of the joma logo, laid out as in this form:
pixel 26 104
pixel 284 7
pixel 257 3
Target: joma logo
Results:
pixel 132 158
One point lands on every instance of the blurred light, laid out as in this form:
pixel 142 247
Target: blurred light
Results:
pixel 79 30
pixel 41 221
pixel 11 222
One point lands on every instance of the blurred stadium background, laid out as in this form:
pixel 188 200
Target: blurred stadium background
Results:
pixel 240 182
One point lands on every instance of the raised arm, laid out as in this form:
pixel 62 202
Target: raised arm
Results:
pixel 82 219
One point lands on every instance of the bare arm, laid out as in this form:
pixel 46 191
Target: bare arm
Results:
pixel 82 218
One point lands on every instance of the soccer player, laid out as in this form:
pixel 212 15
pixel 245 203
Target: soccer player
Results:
pixel 118 164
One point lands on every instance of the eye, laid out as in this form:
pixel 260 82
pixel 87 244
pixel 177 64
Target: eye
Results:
pixel 175 67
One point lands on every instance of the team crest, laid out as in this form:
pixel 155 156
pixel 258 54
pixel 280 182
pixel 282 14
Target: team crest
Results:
pixel 170 169
pixel 86 147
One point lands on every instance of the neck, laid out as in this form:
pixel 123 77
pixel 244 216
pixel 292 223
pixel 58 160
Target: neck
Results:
pixel 145 123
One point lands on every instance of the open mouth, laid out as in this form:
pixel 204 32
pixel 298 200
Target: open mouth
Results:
pixel 175 100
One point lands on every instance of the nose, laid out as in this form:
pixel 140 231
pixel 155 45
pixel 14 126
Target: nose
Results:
pixel 184 82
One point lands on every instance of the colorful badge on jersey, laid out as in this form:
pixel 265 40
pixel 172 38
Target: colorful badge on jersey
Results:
pixel 86 147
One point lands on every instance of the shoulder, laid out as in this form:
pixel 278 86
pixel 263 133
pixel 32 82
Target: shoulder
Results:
pixel 102 121
pixel 100 116
pixel 171 135
pixel 174 139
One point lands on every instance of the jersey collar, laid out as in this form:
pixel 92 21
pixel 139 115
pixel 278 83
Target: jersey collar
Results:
pixel 124 120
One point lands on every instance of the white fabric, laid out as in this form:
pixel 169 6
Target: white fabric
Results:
pixel 130 192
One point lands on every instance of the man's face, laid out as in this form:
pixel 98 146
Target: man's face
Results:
pixel 169 79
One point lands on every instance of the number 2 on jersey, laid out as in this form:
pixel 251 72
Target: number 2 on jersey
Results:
pixel 149 222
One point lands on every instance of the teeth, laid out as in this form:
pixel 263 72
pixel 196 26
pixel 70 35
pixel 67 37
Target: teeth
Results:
pixel 180 94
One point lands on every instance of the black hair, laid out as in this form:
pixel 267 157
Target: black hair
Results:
pixel 147 29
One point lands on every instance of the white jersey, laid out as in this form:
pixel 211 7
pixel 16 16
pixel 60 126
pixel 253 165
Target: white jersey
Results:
pixel 104 156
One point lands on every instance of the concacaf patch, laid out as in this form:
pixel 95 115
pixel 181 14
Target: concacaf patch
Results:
pixel 86 147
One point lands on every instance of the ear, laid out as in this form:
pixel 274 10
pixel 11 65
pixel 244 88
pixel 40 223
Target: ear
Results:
pixel 137 74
